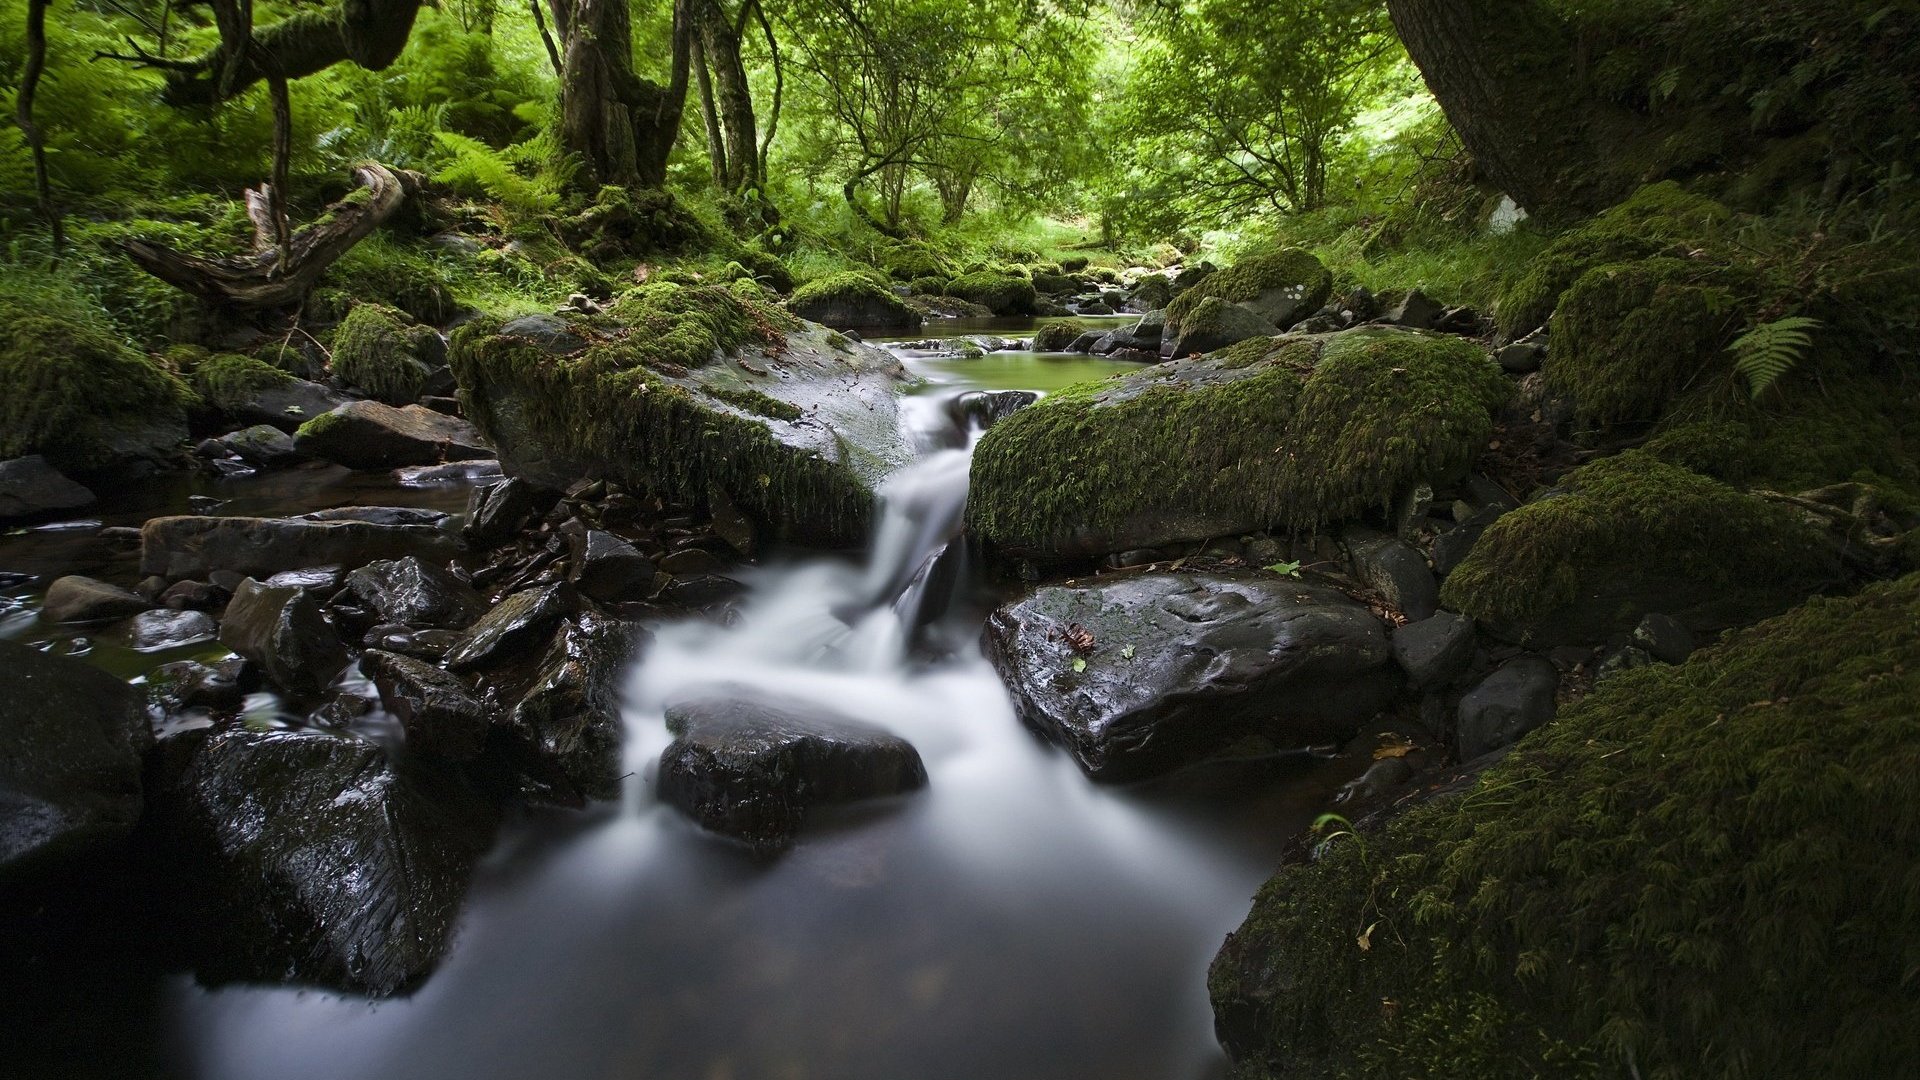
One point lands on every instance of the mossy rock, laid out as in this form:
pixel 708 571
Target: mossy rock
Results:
pixel 1055 337
pixel 73 391
pixel 1281 286
pixel 1700 871
pixel 1628 337
pixel 928 286
pixel 999 291
pixel 682 390
pixel 226 382
pixel 377 270
pixel 1631 534
pixel 1055 284
pixel 1654 219
pixel 379 350
pixel 629 223
pixel 906 262
pixel 853 301
pixel 1311 430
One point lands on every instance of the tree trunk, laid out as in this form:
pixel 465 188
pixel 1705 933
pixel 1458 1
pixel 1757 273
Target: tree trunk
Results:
pixel 733 97
pixel 621 126
pixel 23 115
pixel 709 115
pixel 1508 77
pixel 370 33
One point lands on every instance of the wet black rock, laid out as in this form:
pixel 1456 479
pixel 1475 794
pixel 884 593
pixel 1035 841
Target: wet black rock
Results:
pixel 323 861
pixel 1397 572
pixel 369 435
pixel 381 515
pixel 1512 701
pixel 430 645
pixel 1450 548
pixel 608 568
pixel 564 733
pixel 700 590
pixel 185 685
pixel 163 628
pixel 438 710
pixel 453 472
pixel 71 737
pixel 1435 649
pixel 752 770
pixel 78 599
pixel 498 511
pixel 322 580
pixel 287 405
pixel 30 489
pixel 283 631
pixel 1140 675
pixel 979 410
pixel 688 562
pixel 512 628
pixel 415 593
pixel 192 596
pixel 189 546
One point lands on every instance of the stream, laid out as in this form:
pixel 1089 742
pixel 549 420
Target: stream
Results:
pixel 1011 921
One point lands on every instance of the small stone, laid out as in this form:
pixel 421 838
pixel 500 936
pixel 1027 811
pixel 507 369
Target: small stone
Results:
pixel 701 590
pixel 1519 358
pixel 153 631
pixel 1434 650
pixel 412 592
pixel 1664 639
pixel 1398 573
pixel 262 446
pixel 75 599
pixel 1416 312
pixel 1622 659
pixel 511 628
pixel 497 512
pixel 608 568
pixel 430 645
pixel 193 596
pixel 438 710
pixel 284 631
pixel 690 561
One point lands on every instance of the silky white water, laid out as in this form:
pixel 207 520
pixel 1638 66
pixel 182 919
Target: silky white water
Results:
pixel 1012 920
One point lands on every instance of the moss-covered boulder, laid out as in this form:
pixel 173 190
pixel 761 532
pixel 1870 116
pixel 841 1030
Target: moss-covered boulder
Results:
pixel 1628 337
pixel 243 390
pixel 999 291
pixel 1631 534
pixel 1273 433
pixel 1656 218
pixel 1701 871
pixel 853 301
pixel 1212 324
pixel 906 262
pixel 75 393
pixel 381 351
pixel 684 390
pixel 1281 287
pixel 1055 337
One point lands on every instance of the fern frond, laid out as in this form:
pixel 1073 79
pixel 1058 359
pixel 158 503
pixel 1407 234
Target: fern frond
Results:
pixel 1767 351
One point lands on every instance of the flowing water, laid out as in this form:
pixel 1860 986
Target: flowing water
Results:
pixel 1012 920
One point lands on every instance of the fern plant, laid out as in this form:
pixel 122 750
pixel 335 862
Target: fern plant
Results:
pixel 1770 350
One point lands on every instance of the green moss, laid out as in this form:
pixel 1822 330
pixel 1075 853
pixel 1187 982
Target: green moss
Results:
pixel 381 271
pixel 1247 353
pixel 1290 269
pixel 226 381
pixel 836 296
pixel 1627 337
pixel 905 262
pixel 1654 219
pixel 1630 530
pixel 1698 871
pixel 1055 336
pixel 71 389
pixel 376 349
pixel 1319 430
pixel 999 291
pixel 928 286
pixel 614 405
pixel 319 425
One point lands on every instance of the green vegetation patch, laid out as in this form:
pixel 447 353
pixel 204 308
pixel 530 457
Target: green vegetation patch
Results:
pixel 1628 337
pixel 848 292
pixel 1000 291
pixel 1630 534
pixel 71 389
pixel 1286 269
pixel 1701 871
pixel 379 350
pixel 1310 431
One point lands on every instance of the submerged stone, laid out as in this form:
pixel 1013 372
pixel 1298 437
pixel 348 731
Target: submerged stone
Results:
pixel 190 546
pixel 369 435
pixel 1142 674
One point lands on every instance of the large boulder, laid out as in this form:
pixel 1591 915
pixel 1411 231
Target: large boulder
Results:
pixel 1286 433
pixel 752 770
pixel 369 435
pixel 71 737
pixel 327 862
pixel 190 546
pixel 31 489
pixel 687 389
pixel 1630 534
pixel 999 291
pixel 853 301
pixel 1143 674
pixel 1212 324
pixel 439 711
pixel 1279 287
pixel 563 734
pixel 75 598
pixel 74 393
pixel 1693 870
pixel 284 631
pixel 381 351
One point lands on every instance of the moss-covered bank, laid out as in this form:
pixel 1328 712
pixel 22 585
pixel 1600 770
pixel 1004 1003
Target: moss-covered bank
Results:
pixel 379 350
pixel 1699 871
pixel 1275 432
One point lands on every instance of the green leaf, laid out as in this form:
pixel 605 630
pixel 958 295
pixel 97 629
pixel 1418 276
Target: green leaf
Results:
pixel 1126 653
pixel 1079 663
pixel 1291 569
pixel 1770 350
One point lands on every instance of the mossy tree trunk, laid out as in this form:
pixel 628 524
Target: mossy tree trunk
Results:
pixel 369 33
pixel 1510 79
pixel 621 125
pixel 733 135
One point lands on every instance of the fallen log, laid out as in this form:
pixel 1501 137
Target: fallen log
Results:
pixel 265 279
